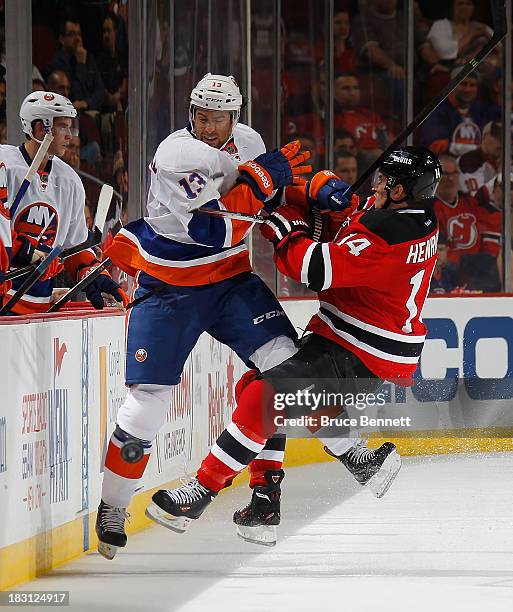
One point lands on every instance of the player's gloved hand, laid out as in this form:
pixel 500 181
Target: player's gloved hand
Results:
pixel 27 250
pixel 275 169
pixel 326 192
pixel 103 284
pixel 283 224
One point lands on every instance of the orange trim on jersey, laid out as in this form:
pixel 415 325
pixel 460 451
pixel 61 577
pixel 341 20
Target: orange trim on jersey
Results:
pixel 27 308
pixel 116 464
pixel 439 146
pixel 125 254
pixel 84 258
pixel 241 199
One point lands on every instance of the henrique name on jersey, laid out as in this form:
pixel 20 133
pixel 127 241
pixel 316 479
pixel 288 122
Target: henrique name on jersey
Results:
pixel 422 251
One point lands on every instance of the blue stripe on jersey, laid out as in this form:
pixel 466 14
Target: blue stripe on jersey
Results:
pixel 208 230
pixel 39 289
pixel 165 248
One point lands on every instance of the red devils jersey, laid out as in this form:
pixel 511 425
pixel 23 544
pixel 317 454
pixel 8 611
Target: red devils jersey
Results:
pixel 468 227
pixel 372 282
pixel 368 128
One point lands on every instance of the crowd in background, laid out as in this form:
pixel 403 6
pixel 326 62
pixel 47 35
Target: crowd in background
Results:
pixel 84 56
pixel 368 88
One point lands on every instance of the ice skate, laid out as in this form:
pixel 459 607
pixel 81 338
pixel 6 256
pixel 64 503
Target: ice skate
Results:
pixel 257 522
pixel 375 468
pixel 176 508
pixel 110 529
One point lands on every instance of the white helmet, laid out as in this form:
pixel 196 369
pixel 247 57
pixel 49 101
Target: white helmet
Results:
pixel 44 105
pixel 216 92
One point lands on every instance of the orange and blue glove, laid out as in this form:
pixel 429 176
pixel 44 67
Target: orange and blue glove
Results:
pixel 28 249
pixel 275 169
pixel 327 193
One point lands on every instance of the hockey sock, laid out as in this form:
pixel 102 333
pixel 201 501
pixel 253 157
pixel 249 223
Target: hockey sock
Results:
pixel 120 476
pixel 270 458
pixel 244 438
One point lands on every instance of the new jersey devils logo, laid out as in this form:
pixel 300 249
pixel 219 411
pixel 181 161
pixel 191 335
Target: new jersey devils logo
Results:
pixel 36 218
pixel 462 231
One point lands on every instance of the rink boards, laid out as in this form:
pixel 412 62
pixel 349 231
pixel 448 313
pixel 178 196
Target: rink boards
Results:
pixel 63 383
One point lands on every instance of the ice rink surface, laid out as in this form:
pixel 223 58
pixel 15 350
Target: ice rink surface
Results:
pixel 440 540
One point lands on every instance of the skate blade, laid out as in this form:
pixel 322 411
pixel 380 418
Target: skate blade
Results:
pixel 383 479
pixel 265 535
pixel 178 524
pixel 107 550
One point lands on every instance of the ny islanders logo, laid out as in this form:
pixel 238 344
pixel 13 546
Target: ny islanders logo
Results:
pixel 38 219
pixel 140 355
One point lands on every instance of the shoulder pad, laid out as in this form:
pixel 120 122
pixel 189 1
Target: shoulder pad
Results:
pixel 394 227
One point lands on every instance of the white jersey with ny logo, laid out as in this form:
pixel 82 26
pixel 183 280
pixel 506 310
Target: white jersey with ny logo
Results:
pixel 54 201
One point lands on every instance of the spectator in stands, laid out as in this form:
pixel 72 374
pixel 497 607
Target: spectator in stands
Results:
pixel 309 143
pixel 113 68
pixel 458 37
pixel 87 90
pixel 344 141
pixel 379 35
pixel 445 274
pixel 367 127
pixel 344 56
pixel 481 165
pixel 455 126
pixel 472 231
pixel 58 82
pixel 3 133
pixel 346 167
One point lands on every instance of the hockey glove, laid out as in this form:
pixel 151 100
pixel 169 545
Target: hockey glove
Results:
pixel 27 250
pixel 275 169
pixel 327 192
pixel 283 224
pixel 103 284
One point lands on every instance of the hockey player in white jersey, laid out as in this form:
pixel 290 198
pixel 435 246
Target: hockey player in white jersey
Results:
pixel 196 272
pixel 52 210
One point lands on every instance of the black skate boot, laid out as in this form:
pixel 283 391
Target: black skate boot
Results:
pixel 110 529
pixel 257 522
pixel 377 468
pixel 176 508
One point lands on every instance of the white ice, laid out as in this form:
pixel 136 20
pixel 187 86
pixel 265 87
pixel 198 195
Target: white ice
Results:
pixel 440 540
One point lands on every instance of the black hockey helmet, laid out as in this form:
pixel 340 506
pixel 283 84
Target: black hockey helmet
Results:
pixel 417 169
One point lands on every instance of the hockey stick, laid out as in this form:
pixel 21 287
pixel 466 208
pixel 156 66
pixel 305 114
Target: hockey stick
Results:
pixel 500 28
pixel 93 239
pixel 86 280
pixel 33 168
pixel 40 269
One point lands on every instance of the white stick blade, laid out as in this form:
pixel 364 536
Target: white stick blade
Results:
pixel 103 206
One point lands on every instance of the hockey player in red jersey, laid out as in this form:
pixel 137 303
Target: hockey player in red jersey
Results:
pixel 372 278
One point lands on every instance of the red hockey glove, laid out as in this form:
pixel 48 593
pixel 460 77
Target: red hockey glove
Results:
pixel 275 169
pixel 326 192
pixel 284 223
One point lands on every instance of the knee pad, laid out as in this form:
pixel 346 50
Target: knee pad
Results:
pixel 274 352
pixel 144 410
